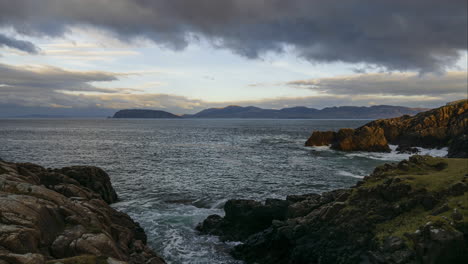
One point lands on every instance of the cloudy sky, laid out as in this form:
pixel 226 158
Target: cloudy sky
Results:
pixel 92 57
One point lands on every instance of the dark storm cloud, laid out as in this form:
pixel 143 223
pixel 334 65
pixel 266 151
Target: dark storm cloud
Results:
pixel 17 44
pixel 48 86
pixel 423 35
pixel 405 84
pixel 46 78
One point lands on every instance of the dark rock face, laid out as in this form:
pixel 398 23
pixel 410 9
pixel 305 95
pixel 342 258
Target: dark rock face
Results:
pixel 141 113
pixel 407 149
pixel 441 127
pixel 402 213
pixel 458 147
pixel 63 216
pixel 321 138
pixel 92 178
pixel 244 218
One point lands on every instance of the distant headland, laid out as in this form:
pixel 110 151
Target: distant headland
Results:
pixel 299 112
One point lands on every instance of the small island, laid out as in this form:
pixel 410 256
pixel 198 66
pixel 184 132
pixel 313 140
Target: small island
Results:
pixel 143 113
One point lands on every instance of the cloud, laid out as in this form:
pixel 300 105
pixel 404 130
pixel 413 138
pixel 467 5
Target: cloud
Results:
pixel 421 35
pixel 18 44
pixel 51 90
pixel 47 86
pixel 406 84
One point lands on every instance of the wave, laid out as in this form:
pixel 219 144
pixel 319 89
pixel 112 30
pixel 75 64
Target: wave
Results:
pixel 349 174
pixel 393 155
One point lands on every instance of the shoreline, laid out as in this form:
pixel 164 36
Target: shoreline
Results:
pixel 64 216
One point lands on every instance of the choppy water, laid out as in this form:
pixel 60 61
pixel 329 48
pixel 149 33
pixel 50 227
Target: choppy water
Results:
pixel 171 174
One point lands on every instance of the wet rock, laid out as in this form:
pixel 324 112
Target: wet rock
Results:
pixel 405 149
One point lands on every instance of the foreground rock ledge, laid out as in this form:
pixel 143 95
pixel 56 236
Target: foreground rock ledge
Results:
pixel 63 216
pixel 415 211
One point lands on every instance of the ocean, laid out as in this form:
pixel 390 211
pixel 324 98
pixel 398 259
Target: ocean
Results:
pixel 170 174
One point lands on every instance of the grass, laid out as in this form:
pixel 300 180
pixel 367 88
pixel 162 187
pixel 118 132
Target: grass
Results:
pixel 435 175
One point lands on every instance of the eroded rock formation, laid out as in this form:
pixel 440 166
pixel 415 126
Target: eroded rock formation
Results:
pixel 435 128
pixel 415 211
pixel 63 216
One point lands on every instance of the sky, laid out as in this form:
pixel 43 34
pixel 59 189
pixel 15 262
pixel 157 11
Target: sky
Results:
pixel 94 57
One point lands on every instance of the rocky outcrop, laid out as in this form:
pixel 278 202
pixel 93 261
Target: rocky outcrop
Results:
pixel 143 113
pixel 63 216
pixel 415 211
pixel 431 129
pixel 364 138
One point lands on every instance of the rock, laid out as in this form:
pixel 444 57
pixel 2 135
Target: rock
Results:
pixel 405 149
pixel 47 215
pixel 458 147
pixel 438 243
pixel 456 215
pixel 321 138
pixel 364 224
pixel 446 126
pixel 361 139
pixel 244 218
pixel 93 178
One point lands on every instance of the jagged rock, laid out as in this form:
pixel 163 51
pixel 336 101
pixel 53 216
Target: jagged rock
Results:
pixel 93 178
pixel 46 215
pixel 361 139
pixel 446 126
pixel 407 149
pixel 458 147
pixel 244 218
pixel 321 138
pixel 364 224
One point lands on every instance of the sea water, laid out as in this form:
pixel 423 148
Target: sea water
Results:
pixel 170 174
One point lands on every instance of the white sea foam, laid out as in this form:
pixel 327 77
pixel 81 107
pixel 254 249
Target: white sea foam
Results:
pixel 393 155
pixel 349 174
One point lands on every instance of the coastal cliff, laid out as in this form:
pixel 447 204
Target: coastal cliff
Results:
pixel 63 216
pixel 415 211
pixel 446 126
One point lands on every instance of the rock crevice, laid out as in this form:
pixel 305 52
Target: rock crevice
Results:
pixel 63 216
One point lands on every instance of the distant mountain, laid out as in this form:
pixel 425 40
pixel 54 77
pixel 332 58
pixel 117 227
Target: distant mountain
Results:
pixel 342 112
pixel 141 113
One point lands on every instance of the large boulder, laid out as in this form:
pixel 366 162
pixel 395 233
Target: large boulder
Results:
pixel 321 138
pixel 49 216
pixel 244 218
pixel 361 139
pixel 93 178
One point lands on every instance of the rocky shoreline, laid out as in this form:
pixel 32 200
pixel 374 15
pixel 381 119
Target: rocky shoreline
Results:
pixel 415 211
pixel 446 126
pixel 63 216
